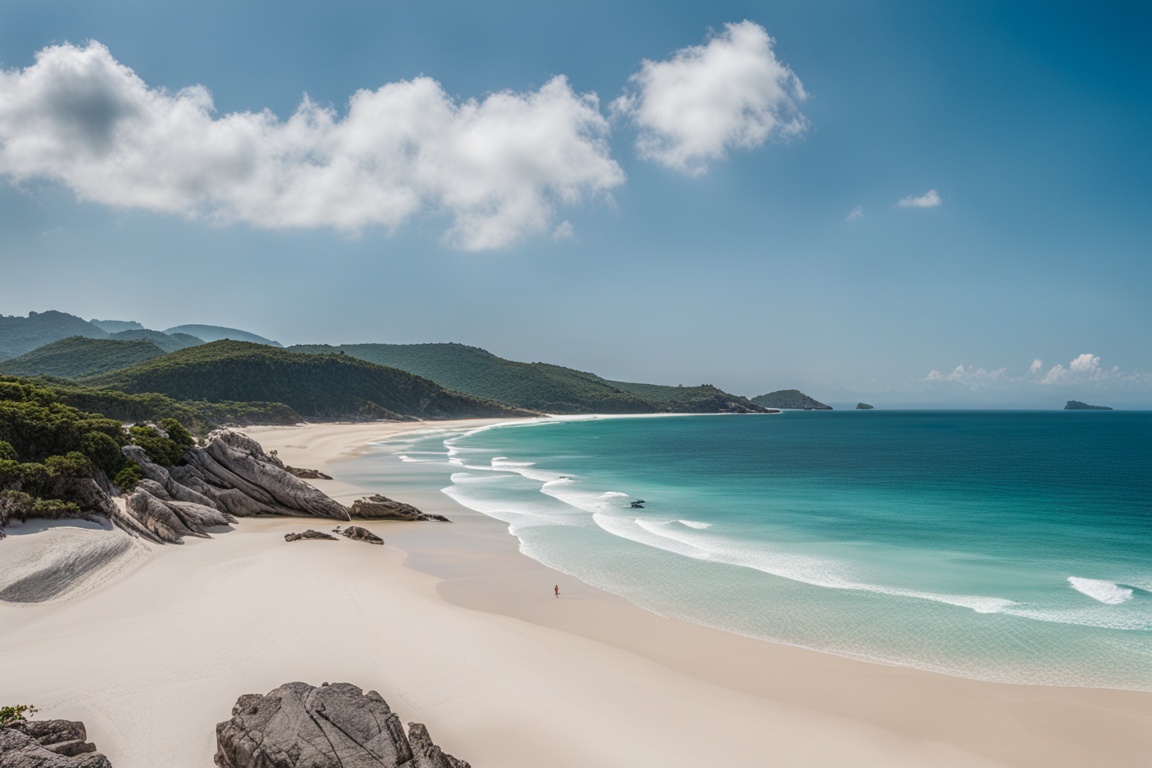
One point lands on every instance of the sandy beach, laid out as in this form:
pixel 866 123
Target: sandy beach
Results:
pixel 459 631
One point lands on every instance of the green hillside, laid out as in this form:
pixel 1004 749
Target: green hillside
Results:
pixel 792 399
pixel 79 356
pixel 169 342
pixel 702 399
pixel 331 386
pixel 536 386
pixel 24 334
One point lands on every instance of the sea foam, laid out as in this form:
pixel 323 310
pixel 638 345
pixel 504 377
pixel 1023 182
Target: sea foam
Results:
pixel 1102 591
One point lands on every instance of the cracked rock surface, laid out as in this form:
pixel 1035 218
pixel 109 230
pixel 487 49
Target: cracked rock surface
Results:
pixel 339 726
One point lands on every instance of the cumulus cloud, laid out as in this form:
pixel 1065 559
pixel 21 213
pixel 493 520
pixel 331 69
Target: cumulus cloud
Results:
pixel 856 214
pixel 929 199
pixel 497 168
pixel 969 375
pixel 731 92
pixel 1083 370
pixel 1086 363
pixel 1085 367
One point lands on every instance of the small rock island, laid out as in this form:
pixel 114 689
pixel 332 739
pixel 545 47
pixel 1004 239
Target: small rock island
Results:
pixel 1076 405
pixel 863 407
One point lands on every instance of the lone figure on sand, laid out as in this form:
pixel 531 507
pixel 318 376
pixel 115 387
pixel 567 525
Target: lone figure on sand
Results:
pixel 556 589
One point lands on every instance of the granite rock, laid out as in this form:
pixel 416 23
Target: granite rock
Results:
pixel 302 726
pixel 379 507
pixel 48 744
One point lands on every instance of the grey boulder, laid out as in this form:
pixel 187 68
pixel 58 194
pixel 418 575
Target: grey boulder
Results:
pixel 48 744
pixel 377 507
pixel 332 726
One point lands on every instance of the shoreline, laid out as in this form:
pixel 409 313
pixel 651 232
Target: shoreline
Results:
pixel 460 631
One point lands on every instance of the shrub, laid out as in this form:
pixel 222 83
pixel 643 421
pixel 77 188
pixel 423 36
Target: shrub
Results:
pixel 162 450
pixel 7 451
pixel 177 433
pixel 71 464
pixel 16 714
pixel 103 451
pixel 129 477
pixel 35 478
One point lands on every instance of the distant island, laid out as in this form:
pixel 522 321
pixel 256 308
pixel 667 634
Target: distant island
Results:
pixel 790 399
pixel 1076 405
pixel 863 407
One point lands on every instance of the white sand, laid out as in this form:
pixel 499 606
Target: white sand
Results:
pixel 459 631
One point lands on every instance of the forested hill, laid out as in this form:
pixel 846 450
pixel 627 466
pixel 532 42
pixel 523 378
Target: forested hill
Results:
pixel 80 356
pixel 331 386
pixel 24 334
pixel 535 386
pixel 792 399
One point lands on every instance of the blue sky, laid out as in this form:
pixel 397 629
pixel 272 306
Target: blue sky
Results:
pixel 727 213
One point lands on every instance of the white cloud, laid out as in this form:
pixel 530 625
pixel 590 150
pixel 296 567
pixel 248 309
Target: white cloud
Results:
pixel 706 99
pixel 856 214
pixel 497 167
pixel 1083 371
pixel 969 375
pixel 564 231
pixel 929 199
pixel 1085 363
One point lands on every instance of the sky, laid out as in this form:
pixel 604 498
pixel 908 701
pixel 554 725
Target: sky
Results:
pixel 909 204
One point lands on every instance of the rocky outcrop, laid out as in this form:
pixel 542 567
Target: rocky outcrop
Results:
pixel 230 477
pixel 356 533
pixel 299 725
pixel 48 744
pixel 379 507
pixel 863 407
pixel 1076 405
pixel 309 534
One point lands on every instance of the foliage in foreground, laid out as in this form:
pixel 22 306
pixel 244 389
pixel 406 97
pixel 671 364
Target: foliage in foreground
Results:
pixel 17 713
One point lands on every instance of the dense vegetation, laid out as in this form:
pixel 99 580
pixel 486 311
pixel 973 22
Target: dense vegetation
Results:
pixel 24 334
pixel 315 386
pixel 80 356
pixel 791 399
pixel 702 399
pixel 46 447
pixel 535 386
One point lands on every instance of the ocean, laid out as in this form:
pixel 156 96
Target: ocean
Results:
pixel 1002 546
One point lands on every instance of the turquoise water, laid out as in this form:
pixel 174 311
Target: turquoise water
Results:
pixel 1009 546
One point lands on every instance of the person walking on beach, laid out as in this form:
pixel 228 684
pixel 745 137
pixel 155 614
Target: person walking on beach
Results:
pixel 556 589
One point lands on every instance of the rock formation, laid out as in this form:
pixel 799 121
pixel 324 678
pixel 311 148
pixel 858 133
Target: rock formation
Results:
pixel 377 507
pixel 300 725
pixel 356 533
pixel 48 744
pixel 230 477
pixel 1076 405
pixel 309 534
pixel 863 407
